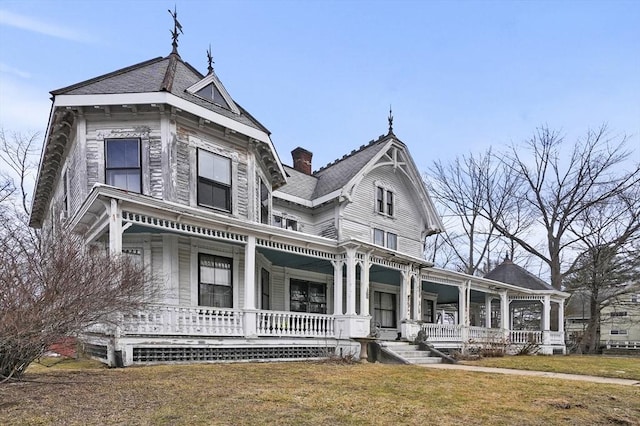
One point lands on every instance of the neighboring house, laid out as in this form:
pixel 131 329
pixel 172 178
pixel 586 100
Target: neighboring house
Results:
pixel 619 321
pixel 258 260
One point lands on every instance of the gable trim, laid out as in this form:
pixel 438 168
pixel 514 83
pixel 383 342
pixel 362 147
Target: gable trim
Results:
pixel 213 79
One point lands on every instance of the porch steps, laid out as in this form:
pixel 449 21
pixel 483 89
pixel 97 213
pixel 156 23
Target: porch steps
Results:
pixel 410 354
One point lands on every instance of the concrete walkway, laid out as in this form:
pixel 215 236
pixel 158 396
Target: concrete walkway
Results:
pixel 564 376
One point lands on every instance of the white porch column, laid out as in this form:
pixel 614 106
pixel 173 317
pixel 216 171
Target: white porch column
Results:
pixel 364 286
pixel 504 308
pixel 250 273
pixel 462 308
pixel 337 287
pixel 405 293
pixel 487 310
pixel 546 321
pixel 115 228
pixel 250 313
pixel 546 313
pixel 416 293
pixel 561 316
pixel 351 281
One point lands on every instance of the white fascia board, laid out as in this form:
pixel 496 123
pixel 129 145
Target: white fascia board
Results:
pixel 160 98
pixel 198 214
pixel 169 99
pixel 304 202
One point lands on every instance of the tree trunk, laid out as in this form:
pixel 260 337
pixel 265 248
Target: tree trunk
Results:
pixel 591 339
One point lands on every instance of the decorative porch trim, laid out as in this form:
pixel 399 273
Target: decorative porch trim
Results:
pixel 376 260
pixel 170 225
pixel 290 248
pixel 539 298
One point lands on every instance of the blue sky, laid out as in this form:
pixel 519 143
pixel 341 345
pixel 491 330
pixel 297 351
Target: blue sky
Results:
pixel 461 75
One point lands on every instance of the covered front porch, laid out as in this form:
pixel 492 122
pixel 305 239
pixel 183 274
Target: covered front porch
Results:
pixel 233 287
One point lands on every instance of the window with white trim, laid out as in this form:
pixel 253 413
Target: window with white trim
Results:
pixel 384 201
pixel 264 203
pixel 214 180
pixel 265 280
pixel 122 164
pixel 384 309
pixel 618 332
pixel 307 296
pixel 385 239
pixel 215 285
pixel 285 222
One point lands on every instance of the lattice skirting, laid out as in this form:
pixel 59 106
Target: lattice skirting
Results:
pixel 212 354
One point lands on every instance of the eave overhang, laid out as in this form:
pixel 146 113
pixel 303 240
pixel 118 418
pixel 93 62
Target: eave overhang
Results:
pixel 61 122
pixel 55 143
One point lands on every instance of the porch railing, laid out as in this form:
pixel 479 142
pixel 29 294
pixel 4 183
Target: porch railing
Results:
pixel 520 337
pixel 442 332
pixel 295 324
pixel 485 335
pixel 616 344
pixel 181 320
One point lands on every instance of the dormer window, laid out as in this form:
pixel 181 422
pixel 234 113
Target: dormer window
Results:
pixel 384 201
pixel 123 164
pixel 212 94
pixel 212 90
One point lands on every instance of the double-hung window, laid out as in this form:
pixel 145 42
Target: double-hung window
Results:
pixel 392 241
pixel 214 180
pixel 215 281
pixel 265 302
pixel 123 163
pixel 384 201
pixel 378 237
pixel 384 309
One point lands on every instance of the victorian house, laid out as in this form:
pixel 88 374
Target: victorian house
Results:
pixel 259 260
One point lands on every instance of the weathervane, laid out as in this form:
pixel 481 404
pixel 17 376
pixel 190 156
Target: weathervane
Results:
pixel 390 120
pixel 210 59
pixel 177 29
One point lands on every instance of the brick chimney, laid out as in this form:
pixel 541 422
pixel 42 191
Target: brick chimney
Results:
pixel 302 160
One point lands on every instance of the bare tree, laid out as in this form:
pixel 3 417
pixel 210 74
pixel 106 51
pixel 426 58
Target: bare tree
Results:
pixel 461 188
pixel 51 284
pixel 608 267
pixel 555 185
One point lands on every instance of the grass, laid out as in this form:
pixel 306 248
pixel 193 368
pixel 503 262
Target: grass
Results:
pixel 300 393
pixel 605 366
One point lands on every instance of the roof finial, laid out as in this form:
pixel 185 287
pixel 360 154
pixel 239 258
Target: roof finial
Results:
pixel 390 120
pixel 210 59
pixel 177 29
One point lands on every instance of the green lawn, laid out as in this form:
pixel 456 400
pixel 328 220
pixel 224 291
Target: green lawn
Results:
pixel 299 393
pixel 605 366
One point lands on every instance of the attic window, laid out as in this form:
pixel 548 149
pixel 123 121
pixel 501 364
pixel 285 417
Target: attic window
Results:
pixel 211 93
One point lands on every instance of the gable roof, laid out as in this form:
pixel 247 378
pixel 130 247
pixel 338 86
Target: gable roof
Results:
pixel 337 174
pixel 510 273
pixel 341 176
pixel 169 74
